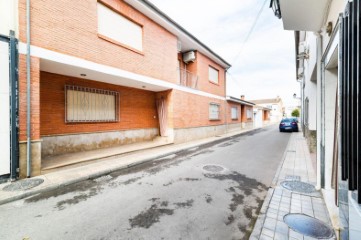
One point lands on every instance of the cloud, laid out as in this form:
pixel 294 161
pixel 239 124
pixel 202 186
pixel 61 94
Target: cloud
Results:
pixel 264 66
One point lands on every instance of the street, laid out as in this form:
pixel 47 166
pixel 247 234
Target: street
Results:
pixel 214 191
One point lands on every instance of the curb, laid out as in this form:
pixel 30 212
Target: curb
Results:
pixel 100 173
pixel 256 232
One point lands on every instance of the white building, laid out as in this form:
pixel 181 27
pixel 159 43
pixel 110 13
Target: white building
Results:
pixel 327 64
pixel 276 106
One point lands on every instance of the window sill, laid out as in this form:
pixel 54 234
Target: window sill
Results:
pixel 120 44
pixel 215 119
pixel 214 83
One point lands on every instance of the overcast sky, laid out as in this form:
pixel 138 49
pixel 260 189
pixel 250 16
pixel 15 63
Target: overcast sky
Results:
pixel 262 67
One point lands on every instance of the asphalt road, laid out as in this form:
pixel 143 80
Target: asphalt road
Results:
pixel 210 192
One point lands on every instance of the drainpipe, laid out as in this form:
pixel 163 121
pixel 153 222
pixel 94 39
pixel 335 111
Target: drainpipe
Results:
pixel 319 108
pixel 28 91
pixel 226 103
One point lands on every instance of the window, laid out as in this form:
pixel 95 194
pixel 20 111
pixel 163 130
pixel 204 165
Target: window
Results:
pixel 118 28
pixel 213 74
pixel 234 113
pixel 213 111
pixel 90 105
pixel 249 114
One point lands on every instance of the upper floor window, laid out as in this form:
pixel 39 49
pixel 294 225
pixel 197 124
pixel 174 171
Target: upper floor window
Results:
pixel 117 28
pixel 213 75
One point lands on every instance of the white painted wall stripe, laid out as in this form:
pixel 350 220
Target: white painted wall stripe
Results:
pixel 82 63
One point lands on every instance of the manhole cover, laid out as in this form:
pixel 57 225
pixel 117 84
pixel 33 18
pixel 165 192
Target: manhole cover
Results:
pixel 298 186
pixel 23 184
pixel 308 226
pixel 213 168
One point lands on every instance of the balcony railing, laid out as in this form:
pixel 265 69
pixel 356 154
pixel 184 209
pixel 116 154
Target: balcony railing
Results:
pixel 187 78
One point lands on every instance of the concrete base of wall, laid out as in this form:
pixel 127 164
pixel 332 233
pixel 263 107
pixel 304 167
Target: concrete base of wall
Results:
pixel 247 125
pixel 234 127
pixel 55 145
pixel 189 134
pixel 35 159
pixel 311 136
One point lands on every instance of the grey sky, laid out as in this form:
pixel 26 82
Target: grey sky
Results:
pixel 264 67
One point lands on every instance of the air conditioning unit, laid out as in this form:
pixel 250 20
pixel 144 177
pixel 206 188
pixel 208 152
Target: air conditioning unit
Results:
pixel 189 57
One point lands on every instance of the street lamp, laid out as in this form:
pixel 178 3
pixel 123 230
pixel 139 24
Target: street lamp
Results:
pixel 275 5
pixel 295 96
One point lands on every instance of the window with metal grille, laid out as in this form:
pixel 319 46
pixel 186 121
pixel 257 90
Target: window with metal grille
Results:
pixel 214 111
pixel 83 104
pixel 234 113
pixel 350 102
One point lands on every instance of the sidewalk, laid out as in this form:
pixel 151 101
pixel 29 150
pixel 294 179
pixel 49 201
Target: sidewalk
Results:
pixel 96 168
pixel 296 166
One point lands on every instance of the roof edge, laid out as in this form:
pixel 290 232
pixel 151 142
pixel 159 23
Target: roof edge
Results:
pixel 165 16
pixel 237 100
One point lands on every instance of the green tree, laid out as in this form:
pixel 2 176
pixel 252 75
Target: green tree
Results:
pixel 295 113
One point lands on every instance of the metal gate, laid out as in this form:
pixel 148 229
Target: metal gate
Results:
pixel 9 159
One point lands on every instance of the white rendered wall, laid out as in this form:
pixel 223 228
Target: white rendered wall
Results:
pixel 310 88
pixel 9 16
pixel 330 104
pixel 4 109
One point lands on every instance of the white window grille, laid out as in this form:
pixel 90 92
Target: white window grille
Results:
pixel 234 113
pixel 214 111
pixel 119 28
pixel 83 104
pixel 213 74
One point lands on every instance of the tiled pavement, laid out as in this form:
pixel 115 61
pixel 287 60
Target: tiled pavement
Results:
pixel 279 202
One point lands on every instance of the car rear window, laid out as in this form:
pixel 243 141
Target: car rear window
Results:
pixel 286 120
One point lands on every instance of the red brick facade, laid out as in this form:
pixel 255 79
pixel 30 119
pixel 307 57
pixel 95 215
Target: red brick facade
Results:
pixel 200 67
pixel 35 98
pixel 137 107
pixel 70 28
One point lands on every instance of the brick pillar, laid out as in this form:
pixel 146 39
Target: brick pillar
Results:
pixel 35 117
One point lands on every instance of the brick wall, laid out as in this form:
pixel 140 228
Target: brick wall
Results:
pixel 70 27
pixel 200 67
pixel 188 114
pixel 229 113
pixel 35 98
pixel 244 113
pixel 137 107
pixel 204 84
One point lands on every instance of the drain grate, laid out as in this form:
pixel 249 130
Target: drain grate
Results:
pixel 213 168
pixel 308 226
pixel 298 186
pixel 23 184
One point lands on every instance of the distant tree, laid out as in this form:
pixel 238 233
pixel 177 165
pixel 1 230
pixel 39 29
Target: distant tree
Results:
pixel 295 113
